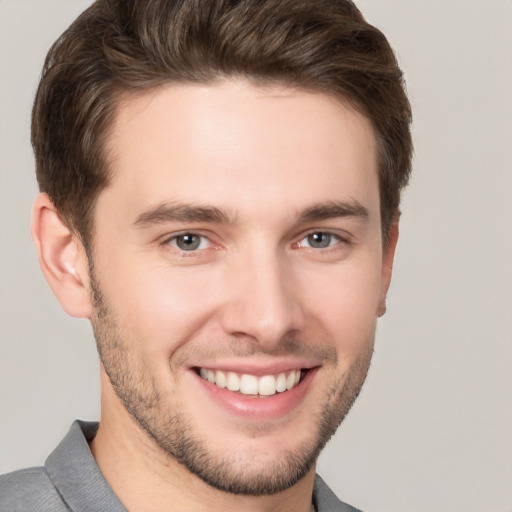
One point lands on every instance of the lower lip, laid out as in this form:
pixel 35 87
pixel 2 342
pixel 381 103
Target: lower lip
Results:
pixel 252 406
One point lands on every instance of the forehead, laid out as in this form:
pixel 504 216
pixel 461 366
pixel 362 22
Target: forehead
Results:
pixel 235 142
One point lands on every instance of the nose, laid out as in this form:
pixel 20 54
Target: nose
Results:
pixel 263 302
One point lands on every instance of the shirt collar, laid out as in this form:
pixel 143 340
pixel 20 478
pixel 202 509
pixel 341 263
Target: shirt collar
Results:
pixel 77 477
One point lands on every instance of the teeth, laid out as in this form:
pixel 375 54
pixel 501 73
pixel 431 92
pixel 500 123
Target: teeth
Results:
pixel 220 379
pixel 281 383
pixel 250 384
pixel 233 382
pixel 290 380
pixel 267 385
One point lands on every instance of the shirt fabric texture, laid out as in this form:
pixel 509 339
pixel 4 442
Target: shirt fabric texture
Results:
pixel 72 481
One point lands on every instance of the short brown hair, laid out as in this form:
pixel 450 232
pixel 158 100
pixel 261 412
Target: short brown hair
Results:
pixel 120 46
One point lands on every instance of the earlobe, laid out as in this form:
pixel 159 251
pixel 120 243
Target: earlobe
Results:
pixel 388 256
pixel 62 258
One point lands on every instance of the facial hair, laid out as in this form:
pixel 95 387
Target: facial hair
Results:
pixel 174 433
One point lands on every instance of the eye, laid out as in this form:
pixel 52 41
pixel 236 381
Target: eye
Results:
pixel 319 240
pixel 189 242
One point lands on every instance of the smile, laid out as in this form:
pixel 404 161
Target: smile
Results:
pixel 246 384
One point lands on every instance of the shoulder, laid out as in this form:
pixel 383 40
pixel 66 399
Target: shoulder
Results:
pixel 327 501
pixel 29 490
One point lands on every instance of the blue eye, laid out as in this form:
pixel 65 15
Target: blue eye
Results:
pixel 319 240
pixel 189 242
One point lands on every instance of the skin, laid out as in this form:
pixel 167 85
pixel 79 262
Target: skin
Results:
pixel 274 165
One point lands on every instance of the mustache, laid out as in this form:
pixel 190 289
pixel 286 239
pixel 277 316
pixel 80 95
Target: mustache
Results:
pixel 289 346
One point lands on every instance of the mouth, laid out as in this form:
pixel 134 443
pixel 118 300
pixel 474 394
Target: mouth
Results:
pixel 257 386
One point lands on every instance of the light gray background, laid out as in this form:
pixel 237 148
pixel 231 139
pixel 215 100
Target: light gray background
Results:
pixel 433 426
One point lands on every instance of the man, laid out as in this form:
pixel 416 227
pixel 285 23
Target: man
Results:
pixel 220 184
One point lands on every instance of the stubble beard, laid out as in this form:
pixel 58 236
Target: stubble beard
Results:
pixel 172 431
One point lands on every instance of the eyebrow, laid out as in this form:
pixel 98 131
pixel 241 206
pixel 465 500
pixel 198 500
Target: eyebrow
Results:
pixel 179 212
pixel 332 210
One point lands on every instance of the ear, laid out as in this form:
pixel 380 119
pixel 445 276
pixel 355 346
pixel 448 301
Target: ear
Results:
pixel 388 256
pixel 62 258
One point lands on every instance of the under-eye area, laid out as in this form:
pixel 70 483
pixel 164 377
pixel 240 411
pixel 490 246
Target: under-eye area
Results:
pixel 246 384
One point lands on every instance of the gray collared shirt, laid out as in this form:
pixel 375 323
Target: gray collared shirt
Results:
pixel 72 481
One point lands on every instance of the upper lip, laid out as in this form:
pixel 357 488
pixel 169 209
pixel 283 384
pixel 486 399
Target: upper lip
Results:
pixel 257 369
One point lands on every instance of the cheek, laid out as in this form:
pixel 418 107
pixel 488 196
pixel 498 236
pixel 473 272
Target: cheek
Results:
pixel 159 307
pixel 345 302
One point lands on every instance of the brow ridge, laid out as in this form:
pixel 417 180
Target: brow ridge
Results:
pixel 181 212
pixel 334 209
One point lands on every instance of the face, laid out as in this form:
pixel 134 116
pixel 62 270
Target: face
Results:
pixel 237 275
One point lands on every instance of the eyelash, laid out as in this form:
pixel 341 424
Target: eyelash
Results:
pixel 172 240
pixel 334 240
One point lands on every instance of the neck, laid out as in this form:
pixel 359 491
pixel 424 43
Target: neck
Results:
pixel 146 478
